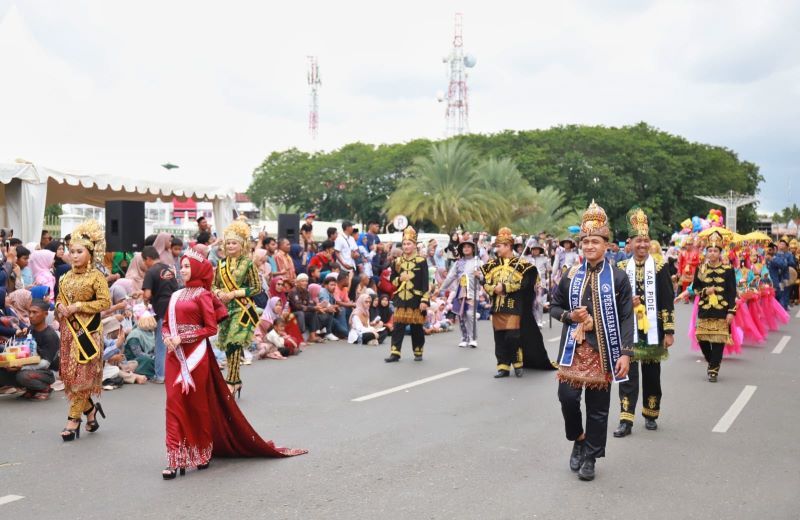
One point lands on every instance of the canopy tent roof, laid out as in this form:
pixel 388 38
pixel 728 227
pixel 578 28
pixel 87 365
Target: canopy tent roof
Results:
pixel 25 190
pixel 81 188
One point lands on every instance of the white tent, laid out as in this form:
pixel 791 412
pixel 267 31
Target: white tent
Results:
pixel 25 190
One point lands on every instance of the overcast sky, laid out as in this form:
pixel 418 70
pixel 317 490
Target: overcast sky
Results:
pixel 121 87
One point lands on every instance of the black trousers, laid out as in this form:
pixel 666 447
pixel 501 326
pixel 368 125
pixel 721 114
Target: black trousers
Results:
pixel 417 338
pixel 651 388
pixel 507 349
pixel 307 321
pixel 597 404
pixel 369 336
pixel 713 354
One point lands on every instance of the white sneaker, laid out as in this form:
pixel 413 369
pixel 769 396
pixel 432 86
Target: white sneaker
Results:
pixel 473 344
pixel 332 337
pixel 463 344
pixel 373 343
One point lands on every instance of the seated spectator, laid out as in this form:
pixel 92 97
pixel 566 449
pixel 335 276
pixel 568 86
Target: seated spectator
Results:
pixel 385 311
pixel 362 286
pixel 21 269
pixel 121 294
pixel 313 274
pixel 18 305
pixel 362 330
pixel 324 258
pixel 114 343
pixel 273 312
pixel 277 344
pixel 304 309
pixel 136 271
pixel 342 293
pixel 36 379
pixel 140 343
pixel 328 304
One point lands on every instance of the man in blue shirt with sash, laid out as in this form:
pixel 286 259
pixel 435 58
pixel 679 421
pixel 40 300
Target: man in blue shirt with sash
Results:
pixel 594 302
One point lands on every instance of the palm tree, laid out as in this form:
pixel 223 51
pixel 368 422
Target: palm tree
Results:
pixel 443 188
pixel 271 211
pixel 553 215
pixel 519 198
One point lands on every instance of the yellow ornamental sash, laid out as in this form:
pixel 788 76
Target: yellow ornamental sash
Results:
pixel 82 333
pixel 249 314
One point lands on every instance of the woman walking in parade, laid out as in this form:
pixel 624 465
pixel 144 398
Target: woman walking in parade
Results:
pixel 202 418
pixel 83 295
pixel 235 284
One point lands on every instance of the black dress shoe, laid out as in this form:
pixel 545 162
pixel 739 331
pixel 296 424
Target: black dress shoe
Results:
pixel 623 429
pixel 587 469
pixel 417 358
pixel 518 372
pixel 650 424
pixel 576 457
pixel 392 359
pixel 501 373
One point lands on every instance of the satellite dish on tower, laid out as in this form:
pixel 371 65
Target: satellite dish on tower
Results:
pixel 470 61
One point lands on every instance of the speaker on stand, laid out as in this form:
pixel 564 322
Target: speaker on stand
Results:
pixel 289 227
pixel 124 225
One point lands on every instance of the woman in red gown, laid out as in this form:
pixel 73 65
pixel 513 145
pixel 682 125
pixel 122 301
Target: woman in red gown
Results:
pixel 203 419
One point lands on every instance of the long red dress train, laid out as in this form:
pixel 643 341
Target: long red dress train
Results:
pixel 202 418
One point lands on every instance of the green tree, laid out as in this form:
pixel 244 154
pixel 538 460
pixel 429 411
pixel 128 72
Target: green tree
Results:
pixel 554 215
pixel 786 214
pixel 443 188
pixel 519 198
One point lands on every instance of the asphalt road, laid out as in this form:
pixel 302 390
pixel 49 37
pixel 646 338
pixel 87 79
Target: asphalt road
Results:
pixel 463 446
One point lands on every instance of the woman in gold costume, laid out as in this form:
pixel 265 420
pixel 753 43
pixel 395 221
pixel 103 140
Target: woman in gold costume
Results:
pixel 83 295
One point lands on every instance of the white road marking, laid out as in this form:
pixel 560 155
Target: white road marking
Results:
pixel 781 344
pixel 735 409
pixel 797 315
pixel 552 340
pixel 409 385
pixel 9 498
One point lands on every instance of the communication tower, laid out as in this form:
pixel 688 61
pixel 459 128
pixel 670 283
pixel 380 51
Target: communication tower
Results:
pixel 313 102
pixel 457 113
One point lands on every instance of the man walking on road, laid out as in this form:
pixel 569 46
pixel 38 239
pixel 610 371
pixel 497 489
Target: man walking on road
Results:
pixel 654 326
pixel 593 301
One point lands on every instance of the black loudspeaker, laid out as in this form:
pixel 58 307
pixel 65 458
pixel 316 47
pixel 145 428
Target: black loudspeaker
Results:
pixel 124 225
pixel 289 227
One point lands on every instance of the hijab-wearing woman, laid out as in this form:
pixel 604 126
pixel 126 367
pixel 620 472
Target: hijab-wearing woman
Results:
pixel 361 331
pixel 202 418
pixel 136 271
pixel 83 296
pixel 279 288
pixel 18 304
pixel 163 245
pixel 60 266
pixel 41 264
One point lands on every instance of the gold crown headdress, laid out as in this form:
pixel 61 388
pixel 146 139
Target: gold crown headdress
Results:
pixel 90 235
pixel 238 230
pixel 504 236
pixel 594 222
pixel 638 226
pixel 409 233
pixel 715 239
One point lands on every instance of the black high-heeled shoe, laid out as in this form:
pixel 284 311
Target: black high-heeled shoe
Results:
pixel 171 473
pixel 201 467
pixel 71 433
pixel 92 426
pixel 235 389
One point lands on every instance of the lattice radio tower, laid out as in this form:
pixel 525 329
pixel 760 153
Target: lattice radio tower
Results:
pixel 313 102
pixel 457 113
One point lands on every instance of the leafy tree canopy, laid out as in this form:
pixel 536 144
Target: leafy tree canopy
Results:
pixel 619 167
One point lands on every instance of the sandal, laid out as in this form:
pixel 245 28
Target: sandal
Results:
pixel 92 425
pixel 70 434
pixel 171 473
